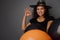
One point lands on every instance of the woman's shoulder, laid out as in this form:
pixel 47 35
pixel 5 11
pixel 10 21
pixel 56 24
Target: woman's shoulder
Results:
pixel 32 20
pixel 50 18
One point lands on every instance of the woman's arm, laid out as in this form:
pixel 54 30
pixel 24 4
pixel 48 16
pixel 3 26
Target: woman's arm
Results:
pixel 27 13
pixel 49 24
pixel 23 23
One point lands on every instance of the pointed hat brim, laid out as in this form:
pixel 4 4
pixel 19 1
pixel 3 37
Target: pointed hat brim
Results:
pixel 38 3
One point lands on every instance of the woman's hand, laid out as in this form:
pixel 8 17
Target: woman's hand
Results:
pixel 27 12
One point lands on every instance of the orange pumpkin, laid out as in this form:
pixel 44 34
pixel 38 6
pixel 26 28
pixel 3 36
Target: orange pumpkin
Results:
pixel 35 35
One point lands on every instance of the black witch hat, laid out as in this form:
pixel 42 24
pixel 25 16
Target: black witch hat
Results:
pixel 41 3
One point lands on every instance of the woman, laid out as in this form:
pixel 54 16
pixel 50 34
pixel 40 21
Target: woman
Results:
pixel 41 19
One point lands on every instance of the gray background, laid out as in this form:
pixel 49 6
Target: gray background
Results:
pixel 12 12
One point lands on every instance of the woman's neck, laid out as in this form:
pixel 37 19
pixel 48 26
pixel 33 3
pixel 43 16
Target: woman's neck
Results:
pixel 40 19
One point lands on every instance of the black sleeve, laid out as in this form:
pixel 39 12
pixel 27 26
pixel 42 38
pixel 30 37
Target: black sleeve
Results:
pixel 50 18
pixel 32 20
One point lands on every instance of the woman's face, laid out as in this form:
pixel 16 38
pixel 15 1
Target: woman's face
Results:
pixel 40 10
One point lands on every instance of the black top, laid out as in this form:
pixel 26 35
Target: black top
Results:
pixel 39 25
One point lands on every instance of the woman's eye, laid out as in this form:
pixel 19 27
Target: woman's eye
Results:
pixel 40 9
pixel 37 9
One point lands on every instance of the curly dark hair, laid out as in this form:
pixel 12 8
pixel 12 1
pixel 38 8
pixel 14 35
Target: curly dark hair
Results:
pixel 35 15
